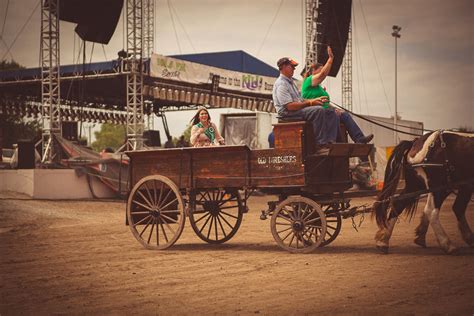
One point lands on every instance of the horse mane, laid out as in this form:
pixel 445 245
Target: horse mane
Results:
pixel 392 175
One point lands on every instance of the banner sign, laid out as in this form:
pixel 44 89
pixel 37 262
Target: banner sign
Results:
pixel 176 69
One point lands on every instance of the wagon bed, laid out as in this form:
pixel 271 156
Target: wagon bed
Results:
pixel 205 184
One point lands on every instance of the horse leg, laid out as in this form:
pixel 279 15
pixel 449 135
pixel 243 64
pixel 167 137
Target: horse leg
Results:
pixel 459 208
pixel 433 215
pixel 382 237
pixel 420 231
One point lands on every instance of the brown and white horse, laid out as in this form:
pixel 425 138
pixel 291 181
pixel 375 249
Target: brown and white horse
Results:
pixel 440 162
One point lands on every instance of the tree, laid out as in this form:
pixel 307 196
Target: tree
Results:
pixel 187 133
pixel 110 135
pixel 14 128
pixel 10 65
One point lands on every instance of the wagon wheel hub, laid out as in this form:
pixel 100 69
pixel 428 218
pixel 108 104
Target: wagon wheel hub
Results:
pixel 155 213
pixel 298 226
pixel 212 207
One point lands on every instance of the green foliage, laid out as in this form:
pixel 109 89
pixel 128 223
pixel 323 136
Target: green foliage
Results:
pixel 15 129
pixel 110 135
pixel 10 65
pixel 187 133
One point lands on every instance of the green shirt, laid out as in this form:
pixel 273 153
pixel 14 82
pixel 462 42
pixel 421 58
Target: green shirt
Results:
pixel 310 92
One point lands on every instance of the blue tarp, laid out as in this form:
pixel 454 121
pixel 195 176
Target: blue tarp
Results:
pixel 237 60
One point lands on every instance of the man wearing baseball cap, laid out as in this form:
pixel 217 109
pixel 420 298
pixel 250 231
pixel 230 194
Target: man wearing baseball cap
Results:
pixel 289 104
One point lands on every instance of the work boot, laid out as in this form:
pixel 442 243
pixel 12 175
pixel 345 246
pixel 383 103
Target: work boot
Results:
pixel 366 139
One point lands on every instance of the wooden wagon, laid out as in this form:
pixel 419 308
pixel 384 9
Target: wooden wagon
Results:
pixel 211 185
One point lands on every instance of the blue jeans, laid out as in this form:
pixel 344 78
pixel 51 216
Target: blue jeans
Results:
pixel 352 128
pixel 325 122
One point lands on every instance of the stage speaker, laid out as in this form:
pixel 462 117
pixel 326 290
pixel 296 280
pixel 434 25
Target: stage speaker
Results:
pixel 334 19
pixel 96 20
pixel 26 154
pixel 152 138
pixel 69 131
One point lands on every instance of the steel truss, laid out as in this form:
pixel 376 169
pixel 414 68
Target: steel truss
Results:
pixel 134 68
pixel 148 37
pixel 347 73
pixel 311 31
pixel 50 78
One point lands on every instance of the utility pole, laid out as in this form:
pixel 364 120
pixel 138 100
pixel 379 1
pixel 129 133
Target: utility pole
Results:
pixel 396 29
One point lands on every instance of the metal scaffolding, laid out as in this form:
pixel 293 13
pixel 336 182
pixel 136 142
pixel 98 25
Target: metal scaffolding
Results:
pixel 311 31
pixel 347 73
pixel 50 81
pixel 134 68
pixel 148 46
pixel 148 31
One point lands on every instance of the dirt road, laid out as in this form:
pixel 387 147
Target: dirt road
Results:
pixel 79 257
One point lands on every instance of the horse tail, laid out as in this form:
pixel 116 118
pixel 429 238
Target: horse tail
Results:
pixel 393 172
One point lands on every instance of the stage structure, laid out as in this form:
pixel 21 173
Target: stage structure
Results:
pixel 329 23
pixel 134 69
pixel 347 74
pixel 311 30
pixel 50 78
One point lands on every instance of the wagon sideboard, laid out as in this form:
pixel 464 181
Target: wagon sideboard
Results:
pixel 294 162
pixel 223 166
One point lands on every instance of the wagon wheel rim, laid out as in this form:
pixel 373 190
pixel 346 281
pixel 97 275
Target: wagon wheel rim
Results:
pixel 298 225
pixel 333 226
pixel 155 212
pixel 216 214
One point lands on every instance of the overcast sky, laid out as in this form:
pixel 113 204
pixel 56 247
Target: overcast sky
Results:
pixel 435 51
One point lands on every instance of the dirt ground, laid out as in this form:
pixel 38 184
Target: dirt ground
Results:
pixel 75 257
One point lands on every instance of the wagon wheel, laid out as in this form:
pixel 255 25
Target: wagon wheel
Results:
pixel 216 214
pixel 333 225
pixel 155 212
pixel 298 224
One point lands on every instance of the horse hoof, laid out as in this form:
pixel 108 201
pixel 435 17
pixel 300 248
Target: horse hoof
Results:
pixel 451 250
pixel 470 240
pixel 383 249
pixel 420 242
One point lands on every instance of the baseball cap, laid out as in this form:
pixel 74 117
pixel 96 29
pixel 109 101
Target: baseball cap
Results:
pixel 286 60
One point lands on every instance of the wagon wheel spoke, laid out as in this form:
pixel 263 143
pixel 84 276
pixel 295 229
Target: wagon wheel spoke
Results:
pixel 222 227
pixel 142 205
pixel 149 194
pixel 215 227
pixel 157 233
pixel 145 199
pixel 169 203
pixel 142 220
pixel 146 226
pixel 205 223
pixel 210 226
pixel 169 228
pixel 230 215
pixel 160 203
pixel 151 231
pixel 205 215
pixel 169 218
pixel 161 225
pixel 225 221
pixel 334 225
pixel 141 212
pixel 216 214
pixel 284 230
pixel 164 231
